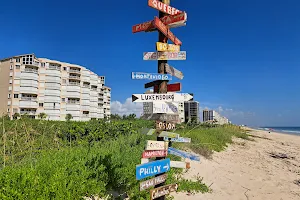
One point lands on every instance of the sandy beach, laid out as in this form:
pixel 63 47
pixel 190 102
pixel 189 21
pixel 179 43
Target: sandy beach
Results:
pixel 246 170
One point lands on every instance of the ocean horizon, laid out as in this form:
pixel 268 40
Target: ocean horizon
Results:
pixel 286 130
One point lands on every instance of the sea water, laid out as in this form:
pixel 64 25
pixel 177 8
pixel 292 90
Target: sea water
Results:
pixel 287 130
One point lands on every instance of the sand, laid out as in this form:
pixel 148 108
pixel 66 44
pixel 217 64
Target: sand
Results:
pixel 246 171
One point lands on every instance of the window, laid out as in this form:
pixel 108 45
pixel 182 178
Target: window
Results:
pixel 41 104
pixel 63 99
pixel 43 64
pixel 10 81
pixel 9 96
pixel 17 66
pixel 8 110
pixel 16 96
pixel 17 60
pixel 53 105
pixel 65 69
pixel 11 67
pixel 64 81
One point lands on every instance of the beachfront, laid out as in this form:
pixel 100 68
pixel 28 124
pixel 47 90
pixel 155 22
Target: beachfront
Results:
pixel 266 168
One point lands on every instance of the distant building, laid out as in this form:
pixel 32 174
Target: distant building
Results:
pixel 191 111
pixel 213 116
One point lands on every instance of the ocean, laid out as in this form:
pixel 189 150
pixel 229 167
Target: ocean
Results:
pixel 286 130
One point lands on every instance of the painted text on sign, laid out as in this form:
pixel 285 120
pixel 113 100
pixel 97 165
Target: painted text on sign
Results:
pixel 163 7
pixel 152 168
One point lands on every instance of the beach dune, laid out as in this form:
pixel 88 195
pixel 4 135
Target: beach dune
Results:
pixel 264 169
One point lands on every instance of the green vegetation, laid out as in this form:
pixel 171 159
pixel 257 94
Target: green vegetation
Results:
pixel 43 159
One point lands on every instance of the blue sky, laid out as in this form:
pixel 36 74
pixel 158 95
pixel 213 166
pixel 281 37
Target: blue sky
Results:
pixel 242 56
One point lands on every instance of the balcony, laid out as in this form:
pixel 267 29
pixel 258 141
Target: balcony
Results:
pixel 74 113
pixel 94 93
pixel 28 112
pixel 86 73
pixel 34 64
pixel 85 96
pixel 72 70
pixel 51 106
pixel 29 90
pixel 71 106
pixel 51 72
pixel 52 99
pixel 85 107
pixel 53 86
pixel 31 70
pixel 94 105
pixel 74 77
pixel 73 87
pixel 94 99
pixel 93 115
pixel 29 75
pixel 28 103
pixel 73 94
pixel 52 92
pixel 85 102
pixel 52 112
pixel 85 78
pixel 85 90
pixel 53 79
pixel 28 83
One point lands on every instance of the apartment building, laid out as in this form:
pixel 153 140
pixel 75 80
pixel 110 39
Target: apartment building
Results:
pixel 213 116
pixel 34 85
pixel 191 111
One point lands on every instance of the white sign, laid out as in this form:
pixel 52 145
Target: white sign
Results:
pixel 181 55
pixel 165 107
pixel 174 97
pixel 179 164
pixel 156 145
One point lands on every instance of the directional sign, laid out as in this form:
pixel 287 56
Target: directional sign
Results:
pixel 166 31
pixel 155 154
pixel 144 160
pixel 162 191
pixel 163 117
pixel 152 168
pixel 175 87
pixel 171 20
pixel 179 164
pixel 163 7
pixel 175 97
pixel 161 55
pixel 168 134
pixel 179 139
pixel 183 154
pixel 165 107
pixel 156 145
pixel 150 76
pixel 153 181
pixel 148 131
pixel 160 46
pixel 173 71
pixel 165 125
pixel 153 83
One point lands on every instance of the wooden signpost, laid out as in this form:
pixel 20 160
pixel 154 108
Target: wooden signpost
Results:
pixel 154 153
pixel 175 87
pixel 160 46
pixel 179 164
pixel 156 145
pixel 153 181
pixel 166 31
pixel 165 125
pixel 173 71
pixel 162 191
pixel 163 55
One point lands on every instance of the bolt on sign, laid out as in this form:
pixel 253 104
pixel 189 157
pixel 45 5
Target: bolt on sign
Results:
pixel 164 55
pixel 163 7
pixel 162 191
pixel 156 145
pixel 153 181
pixel 173 71
pixel 160 46
pixel 165 125
pixel 170 20
pixel 154 153
pixel 166 31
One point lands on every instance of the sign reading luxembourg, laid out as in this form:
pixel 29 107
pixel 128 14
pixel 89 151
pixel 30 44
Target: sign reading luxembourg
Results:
pixel 164 55
pixel 175 97
pixel 152 168
pixel 170 20
pixel 150 76
pixel 183 154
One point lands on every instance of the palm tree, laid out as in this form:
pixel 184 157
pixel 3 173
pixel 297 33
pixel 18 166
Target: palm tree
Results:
pixel 69 117
pixel 42 116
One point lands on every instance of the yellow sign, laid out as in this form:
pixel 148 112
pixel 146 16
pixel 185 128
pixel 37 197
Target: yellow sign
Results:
pixel 167 47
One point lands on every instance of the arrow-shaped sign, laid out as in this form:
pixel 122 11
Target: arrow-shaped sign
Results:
pixel 175 97
pixel 168 134
pixel 150 76
pixel 173 71
pixel 183 154
pixel 163 7
pixel 152 168
pixel 179 139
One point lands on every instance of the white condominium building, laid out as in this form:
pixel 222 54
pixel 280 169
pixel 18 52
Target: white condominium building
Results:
pixel 213 116
pixel 38 85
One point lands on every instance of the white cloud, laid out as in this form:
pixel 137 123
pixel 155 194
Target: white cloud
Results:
pixel 128 107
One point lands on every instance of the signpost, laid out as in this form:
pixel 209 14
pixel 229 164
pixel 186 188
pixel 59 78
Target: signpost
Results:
pixel 163 7
pixel 173 71
pixel 150 76
pixel 170 20
pixel 153 181
pixel 179 164
pixel 165 107
pixel 162 191
pixel 154 153
pixel 175 97
pixel 175 87
pixel 156 145
pixel 179 139
pixel 160 46
pixel 181 55
pixel 165 125
pixel 152 168
pixel 166 31
pixel 183 154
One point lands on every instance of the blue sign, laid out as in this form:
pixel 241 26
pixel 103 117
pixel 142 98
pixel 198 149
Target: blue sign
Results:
pixel 179 139
pixel 183 154
pixel 150 76
pixel 152 168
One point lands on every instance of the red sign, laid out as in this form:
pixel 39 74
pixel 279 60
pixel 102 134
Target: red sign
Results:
pixel 166 31
pixel 154 153
pixel 167 20
pixel 163 7
pixel 170 88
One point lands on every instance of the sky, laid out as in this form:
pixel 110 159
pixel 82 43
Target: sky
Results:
pixel 242 56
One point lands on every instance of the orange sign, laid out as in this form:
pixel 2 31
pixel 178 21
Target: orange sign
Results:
pixel 166 31
pixel 163 7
